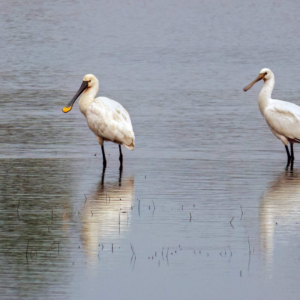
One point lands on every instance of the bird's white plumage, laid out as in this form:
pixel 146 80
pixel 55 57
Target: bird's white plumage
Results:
pixel 283 118
pixel 109 120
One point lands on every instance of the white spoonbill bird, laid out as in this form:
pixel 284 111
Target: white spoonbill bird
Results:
pixel 106 118
pixel 282 117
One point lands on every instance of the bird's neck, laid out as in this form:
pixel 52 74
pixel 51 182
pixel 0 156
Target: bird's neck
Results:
pixel 265 94
pixel 88 96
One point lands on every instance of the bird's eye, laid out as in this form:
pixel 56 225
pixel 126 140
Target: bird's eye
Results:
pixel 266 73
pixel 90 80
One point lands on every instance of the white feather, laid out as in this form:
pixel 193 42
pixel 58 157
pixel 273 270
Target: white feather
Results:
pixel 109 120
pixel 283 118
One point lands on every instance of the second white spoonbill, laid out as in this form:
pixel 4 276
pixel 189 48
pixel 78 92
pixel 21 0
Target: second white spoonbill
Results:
pixel 282 117
pixel 106 118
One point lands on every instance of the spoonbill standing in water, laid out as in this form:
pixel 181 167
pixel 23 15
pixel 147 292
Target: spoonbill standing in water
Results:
pixel 282 117
pixel 106 118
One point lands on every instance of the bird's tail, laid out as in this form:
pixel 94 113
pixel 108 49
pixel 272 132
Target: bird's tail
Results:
pixel 131 146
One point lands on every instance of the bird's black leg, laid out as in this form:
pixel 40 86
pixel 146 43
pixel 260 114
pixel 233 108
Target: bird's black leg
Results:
pixel 288 156
pixel 121 158
pixel 103 156
pixel 292 156
pixel 292 152
pixel 120 177
pixel 103 174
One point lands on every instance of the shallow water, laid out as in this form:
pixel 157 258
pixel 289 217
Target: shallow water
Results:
pixel 204 207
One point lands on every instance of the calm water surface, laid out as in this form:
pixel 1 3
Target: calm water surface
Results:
pixel 204 207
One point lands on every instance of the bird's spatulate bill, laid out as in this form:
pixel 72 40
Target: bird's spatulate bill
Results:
pixel 68 107
pixel 250 85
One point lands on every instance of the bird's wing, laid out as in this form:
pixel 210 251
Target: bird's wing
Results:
pixel 284 118
pixel 110 120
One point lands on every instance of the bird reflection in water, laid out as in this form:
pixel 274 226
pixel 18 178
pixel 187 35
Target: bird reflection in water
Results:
pixel 279 206
pixel 105 214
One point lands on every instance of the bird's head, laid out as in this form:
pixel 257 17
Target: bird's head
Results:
pixel 90 79
pixel 265 74
pixel 88 82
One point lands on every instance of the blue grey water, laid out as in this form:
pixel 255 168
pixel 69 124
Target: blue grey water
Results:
pixel 204 207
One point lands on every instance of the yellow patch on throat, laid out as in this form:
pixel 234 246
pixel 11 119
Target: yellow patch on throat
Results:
pixel 67 109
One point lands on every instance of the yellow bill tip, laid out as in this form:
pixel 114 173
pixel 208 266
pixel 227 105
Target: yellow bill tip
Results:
pixel 67 109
